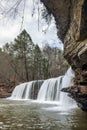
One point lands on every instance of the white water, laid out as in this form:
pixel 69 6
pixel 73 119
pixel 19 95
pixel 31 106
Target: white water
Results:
pixel 48 91
pixel 67 82
pixel 26 90
pixel 51 89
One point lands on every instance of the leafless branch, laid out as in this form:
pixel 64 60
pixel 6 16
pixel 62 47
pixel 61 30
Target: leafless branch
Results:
pixel 23 15
pixel 10 8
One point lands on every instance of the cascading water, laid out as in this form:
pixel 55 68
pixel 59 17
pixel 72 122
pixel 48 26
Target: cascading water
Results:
pixel 48 90
pixel 67 82
pixel 28 90
pixel 51 89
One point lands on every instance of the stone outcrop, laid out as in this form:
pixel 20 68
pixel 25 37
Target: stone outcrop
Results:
pixel 6 89
pixel 4 93
pixel 71 22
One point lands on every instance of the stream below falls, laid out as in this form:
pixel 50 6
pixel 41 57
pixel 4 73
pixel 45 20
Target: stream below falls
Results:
pixel 33 115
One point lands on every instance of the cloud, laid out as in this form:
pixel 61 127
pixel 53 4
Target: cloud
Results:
pixel 11 28
pixel 7 34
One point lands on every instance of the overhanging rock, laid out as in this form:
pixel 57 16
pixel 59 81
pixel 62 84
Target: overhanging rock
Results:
pixel 71 22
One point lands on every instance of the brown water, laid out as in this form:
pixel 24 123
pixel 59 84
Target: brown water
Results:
pixel 27 115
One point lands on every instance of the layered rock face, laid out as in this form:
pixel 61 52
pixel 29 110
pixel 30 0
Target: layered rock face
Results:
pixel 71 21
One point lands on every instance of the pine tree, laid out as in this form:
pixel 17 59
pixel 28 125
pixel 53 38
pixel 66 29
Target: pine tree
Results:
pixel 37 62
pixel 23 49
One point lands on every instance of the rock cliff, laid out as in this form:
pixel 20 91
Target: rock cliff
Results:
pixel 71 22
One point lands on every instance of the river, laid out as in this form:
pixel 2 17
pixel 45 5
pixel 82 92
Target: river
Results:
pixel 29 115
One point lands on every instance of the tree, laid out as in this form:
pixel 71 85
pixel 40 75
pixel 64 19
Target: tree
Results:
pixel 0 49
pixel 23 49
pixel 41 64
pixel 45 68
pixel 7 74
pixel 56 61
pixel 37 62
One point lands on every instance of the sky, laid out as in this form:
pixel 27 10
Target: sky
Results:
pixel 10 28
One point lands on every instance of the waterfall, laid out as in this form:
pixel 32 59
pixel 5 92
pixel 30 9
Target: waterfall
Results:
pixel 28 90
pixel 67 82
pixel 48 90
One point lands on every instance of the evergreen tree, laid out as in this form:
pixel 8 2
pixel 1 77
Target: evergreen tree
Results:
pixel 37 62
pixel 45 68
pixel 23 48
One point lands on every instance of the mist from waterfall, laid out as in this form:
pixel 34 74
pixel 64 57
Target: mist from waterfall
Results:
pixel 67 82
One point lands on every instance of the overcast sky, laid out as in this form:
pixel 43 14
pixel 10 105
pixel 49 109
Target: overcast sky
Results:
pixel 10 28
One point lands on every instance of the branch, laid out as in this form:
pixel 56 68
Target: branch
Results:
pixel 9 8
